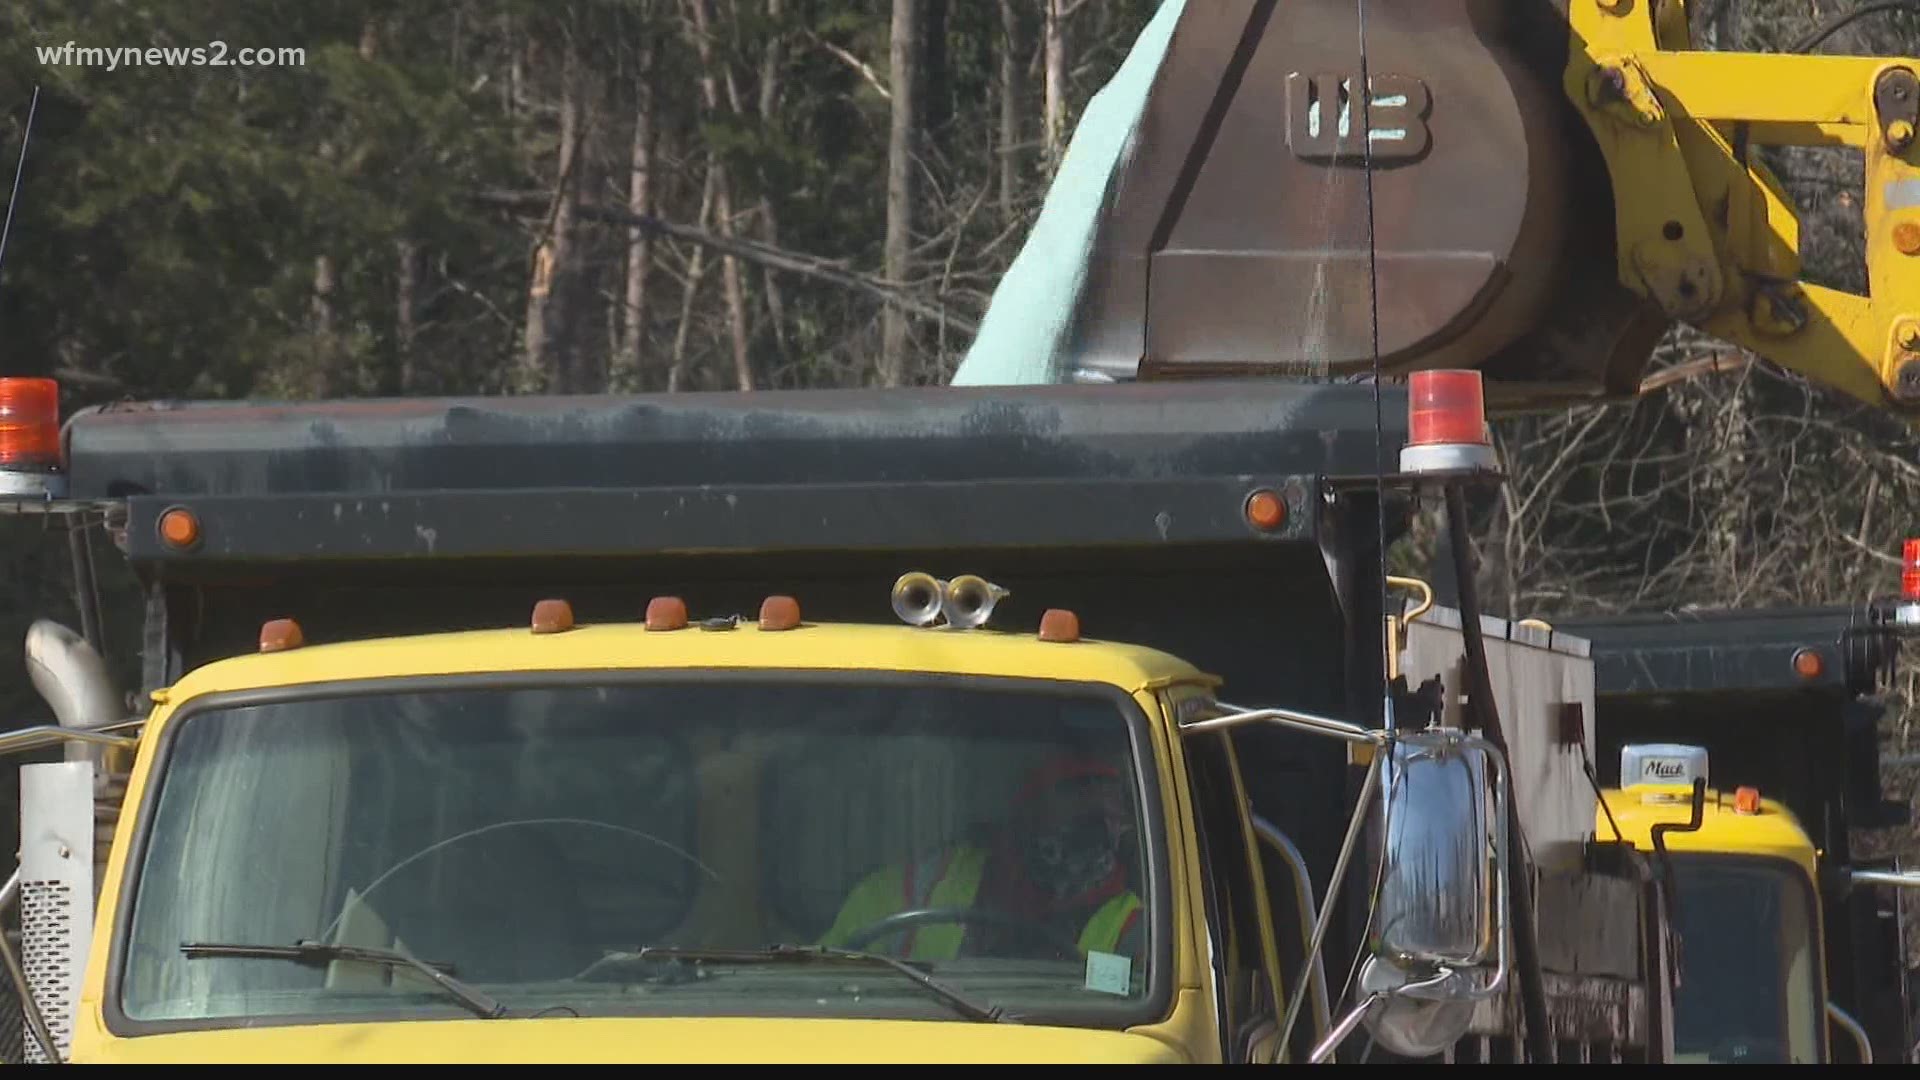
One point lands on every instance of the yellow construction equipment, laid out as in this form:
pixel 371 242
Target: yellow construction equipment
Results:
pixel 1538 190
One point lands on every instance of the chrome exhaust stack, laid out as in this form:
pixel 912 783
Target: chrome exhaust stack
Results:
pixel 72 677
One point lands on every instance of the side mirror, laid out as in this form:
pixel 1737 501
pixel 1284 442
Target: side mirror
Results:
pixel 1443 805
pixel 1442 914
pixel 1440 929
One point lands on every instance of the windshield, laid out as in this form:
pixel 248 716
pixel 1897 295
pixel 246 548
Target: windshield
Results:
pixel 1750 985
pixel 532 841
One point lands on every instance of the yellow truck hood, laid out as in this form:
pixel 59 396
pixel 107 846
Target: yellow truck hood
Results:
pixel 677 1040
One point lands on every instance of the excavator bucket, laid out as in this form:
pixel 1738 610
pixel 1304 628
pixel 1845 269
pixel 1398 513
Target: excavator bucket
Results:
pixel 1229 207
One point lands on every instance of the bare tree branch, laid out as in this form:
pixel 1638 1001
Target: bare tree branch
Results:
pixel 865 69
pixel 1717 364
pixel 752 251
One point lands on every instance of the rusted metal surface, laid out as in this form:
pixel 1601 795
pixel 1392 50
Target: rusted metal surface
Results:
pixel 1580 1009
pixel 1590 925
pixel 1239 234
pixel 1236 235
pixel 1597 1010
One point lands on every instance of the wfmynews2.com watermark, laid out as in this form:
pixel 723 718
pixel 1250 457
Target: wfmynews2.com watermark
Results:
pixel 212 54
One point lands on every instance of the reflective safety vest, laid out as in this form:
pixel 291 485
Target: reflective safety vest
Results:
pixel 951 880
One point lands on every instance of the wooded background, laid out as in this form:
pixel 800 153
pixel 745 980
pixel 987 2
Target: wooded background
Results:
pixel 454 196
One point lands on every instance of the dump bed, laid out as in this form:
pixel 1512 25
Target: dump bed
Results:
pixel 368 518
pixel 1804 731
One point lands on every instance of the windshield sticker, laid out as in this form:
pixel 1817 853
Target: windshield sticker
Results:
pixel 1109 974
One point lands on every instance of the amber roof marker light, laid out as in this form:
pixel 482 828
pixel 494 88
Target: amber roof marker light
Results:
pixel 1059 625
pixel 281 635
pixel 552 617
pixel 779 613
pixel 666 613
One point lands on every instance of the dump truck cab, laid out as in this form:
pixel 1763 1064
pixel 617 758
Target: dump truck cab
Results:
pixel 1788 701
pixel 1741 892
pixel 474 798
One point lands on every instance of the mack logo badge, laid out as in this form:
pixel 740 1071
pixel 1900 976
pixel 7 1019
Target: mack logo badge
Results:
pixel 1663 769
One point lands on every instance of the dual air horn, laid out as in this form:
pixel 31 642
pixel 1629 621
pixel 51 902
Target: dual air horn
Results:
pixel 965 603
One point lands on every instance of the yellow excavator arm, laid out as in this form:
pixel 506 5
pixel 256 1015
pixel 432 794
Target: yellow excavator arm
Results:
pixel 1707 233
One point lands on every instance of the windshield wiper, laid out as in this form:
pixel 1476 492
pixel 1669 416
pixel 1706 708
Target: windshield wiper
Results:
pixel 820 953
pixel 316 953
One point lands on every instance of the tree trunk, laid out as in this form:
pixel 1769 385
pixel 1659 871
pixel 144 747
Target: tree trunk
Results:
pixel 510 29
pixel 769 222
pixel 545 365
pixel 1009 106
pixel 1055 45
pixel 314 375
pixel 936 99
pixel 722 197
pixel 406 299
pixel 696 270
pixel 901 79
pixel 633 311
pixel 585 368
pixel 730 280
pixel 324 282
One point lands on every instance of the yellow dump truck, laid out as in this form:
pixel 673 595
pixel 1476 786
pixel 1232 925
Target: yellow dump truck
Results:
pixel 1789 702
pixel 1747 960
pixel 555 729
pixel 634 841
